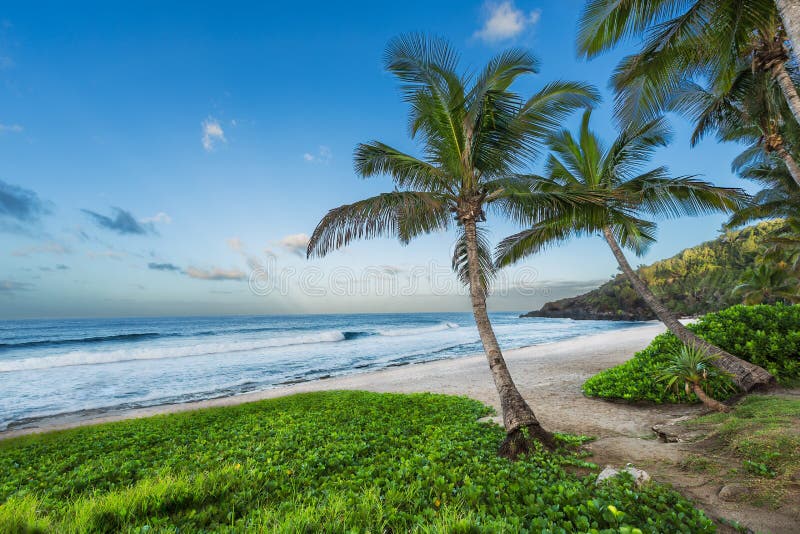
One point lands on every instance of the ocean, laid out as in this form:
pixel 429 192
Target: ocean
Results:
pixel 60 367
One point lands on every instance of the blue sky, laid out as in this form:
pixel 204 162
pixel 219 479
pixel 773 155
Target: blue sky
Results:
pixel 151 156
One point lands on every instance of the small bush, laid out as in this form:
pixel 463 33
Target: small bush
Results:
pixel 768 336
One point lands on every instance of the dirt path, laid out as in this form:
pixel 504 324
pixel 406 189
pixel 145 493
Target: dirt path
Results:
pixel 550 377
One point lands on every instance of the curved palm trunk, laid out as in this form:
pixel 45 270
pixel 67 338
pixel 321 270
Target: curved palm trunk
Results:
pixel 790 162
pixel 518 418
pixel 746 375
pixel 789 11
pixel 788 89
pixel 714 404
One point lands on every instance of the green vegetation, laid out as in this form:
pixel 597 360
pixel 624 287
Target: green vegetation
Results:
pixel 690 368
pixel 348 461
pixel 768 336
pixel 761 435
pixel 698 280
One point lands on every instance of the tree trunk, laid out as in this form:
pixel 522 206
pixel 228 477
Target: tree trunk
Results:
pixel 744 374
pixel 789 11
pixel 791 164
pixel 519 420
pixel 714 404
pixel 789 90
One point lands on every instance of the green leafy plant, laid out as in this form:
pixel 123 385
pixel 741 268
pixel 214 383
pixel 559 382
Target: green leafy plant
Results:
pixel 691 367
pixel 339 461
pixel 768 336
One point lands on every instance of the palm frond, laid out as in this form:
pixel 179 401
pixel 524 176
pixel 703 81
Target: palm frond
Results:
pixel 460 261
pixel 655 194
pixel 545 234
pixel 605 23
pixel 400 214
pixel 377 158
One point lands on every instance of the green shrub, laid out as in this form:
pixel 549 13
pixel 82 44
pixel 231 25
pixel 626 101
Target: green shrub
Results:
pixel 768 336
pixel 332 462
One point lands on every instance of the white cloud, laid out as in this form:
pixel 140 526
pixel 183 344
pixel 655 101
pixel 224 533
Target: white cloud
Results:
pixel 212 133
pixel 505 21
pixel 12 128
pixel 109 254
pixel 323 155
pixel 215 274
pixel 46 248
pixel 295 243
pixel 159 217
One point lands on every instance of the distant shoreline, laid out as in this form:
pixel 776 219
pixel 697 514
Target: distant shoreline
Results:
pixel 466 375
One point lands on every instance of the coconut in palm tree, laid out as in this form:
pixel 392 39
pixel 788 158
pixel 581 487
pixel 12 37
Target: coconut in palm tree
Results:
pixel 476 134
pixel 631 196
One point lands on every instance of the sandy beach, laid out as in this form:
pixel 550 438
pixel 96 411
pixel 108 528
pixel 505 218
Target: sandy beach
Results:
pixel 549 375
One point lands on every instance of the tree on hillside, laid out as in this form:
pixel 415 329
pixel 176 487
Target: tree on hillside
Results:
pixel 476 134
pixel 688 40
pixel 768 284
pixel 778 199
pixel 584 166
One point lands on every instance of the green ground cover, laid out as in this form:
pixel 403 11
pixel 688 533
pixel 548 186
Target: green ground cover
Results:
pixel 762 437
pixel 333 462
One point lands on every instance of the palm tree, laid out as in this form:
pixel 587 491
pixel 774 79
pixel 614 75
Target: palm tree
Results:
pixel 585 166
pixel 696 39
pixel 476 133
pixel 691 367
pixel 790 15
pixel 767 284
pixel 778 198
pixel 748 109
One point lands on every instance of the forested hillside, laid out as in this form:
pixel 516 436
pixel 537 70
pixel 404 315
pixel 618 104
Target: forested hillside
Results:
pixel 697 280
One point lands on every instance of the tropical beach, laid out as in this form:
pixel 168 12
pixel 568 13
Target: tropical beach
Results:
pixel 503 266
pixel 541 368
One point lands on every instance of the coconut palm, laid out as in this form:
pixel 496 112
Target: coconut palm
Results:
pixel 695 39
pixel 748 109
pixel 790 16
pixel 778 198
pixel 768 284
pixel 692 367
pixel 476 133
pixel 584 165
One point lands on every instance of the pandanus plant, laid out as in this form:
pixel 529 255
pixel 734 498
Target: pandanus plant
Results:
pixel 630 197
pixel 691 367
pixel 476 135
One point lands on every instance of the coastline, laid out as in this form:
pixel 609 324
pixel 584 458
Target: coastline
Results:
pixel 536 368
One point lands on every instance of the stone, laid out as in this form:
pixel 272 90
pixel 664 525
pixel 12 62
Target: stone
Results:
pixel 640 476
pixel 675 432
pixel 605 474
pixel 732 492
